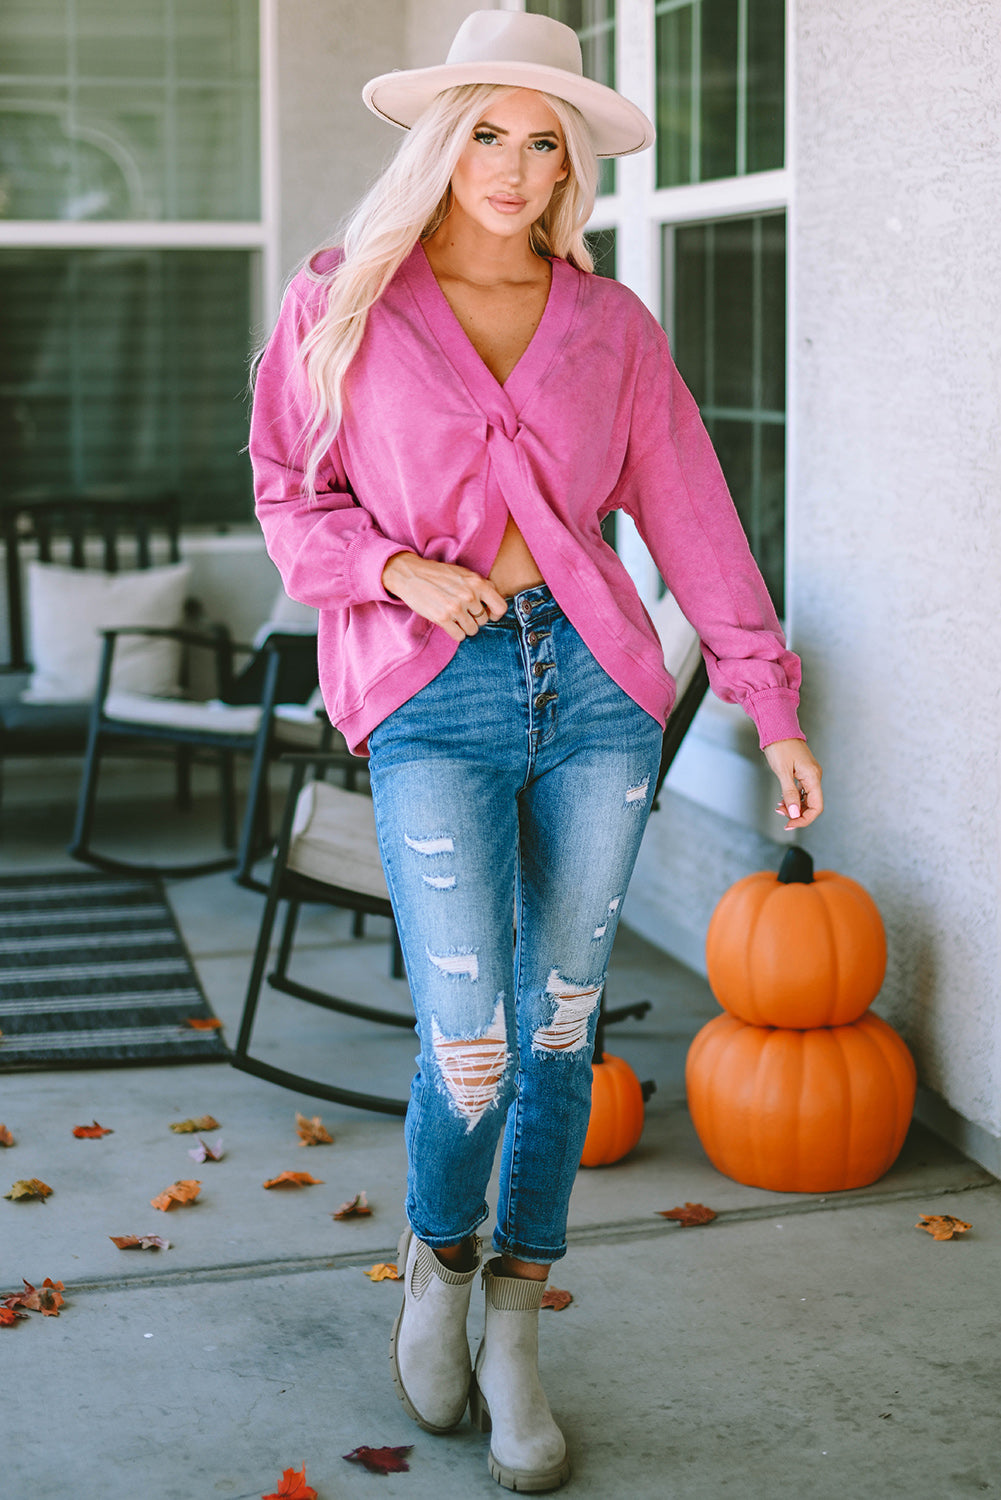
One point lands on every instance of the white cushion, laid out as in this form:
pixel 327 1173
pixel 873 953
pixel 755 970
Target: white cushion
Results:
pixel 67 609
pixel 333 839
pixel 679 639
pixel 175 713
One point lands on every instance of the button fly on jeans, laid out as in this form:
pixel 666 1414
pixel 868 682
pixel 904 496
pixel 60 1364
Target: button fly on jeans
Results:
pixel 543 699
pixel 540 667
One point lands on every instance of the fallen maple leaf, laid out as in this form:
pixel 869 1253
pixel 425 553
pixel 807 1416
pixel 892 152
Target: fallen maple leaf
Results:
pixel 45 1299
pixel 381 1460
pixel 357 1208
pixel 203 1023
pixel 383 1270
pixel 192 1127
pixel 293 1179
pixel 90 1132
pixel 9 1316
pixel 293 1487
pixel 6 1139
pixel 556 1299
pixel 692 1213
pixel 312 1132
pixel 942 1226
pixel 28 1187
pixel 185 1191
pixel 139 1241
pixel 204 1152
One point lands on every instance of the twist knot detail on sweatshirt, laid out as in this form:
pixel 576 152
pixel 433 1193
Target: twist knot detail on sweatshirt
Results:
pixel 433 454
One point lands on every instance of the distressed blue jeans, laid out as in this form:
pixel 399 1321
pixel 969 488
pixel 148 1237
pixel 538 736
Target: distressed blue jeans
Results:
pixel 511 795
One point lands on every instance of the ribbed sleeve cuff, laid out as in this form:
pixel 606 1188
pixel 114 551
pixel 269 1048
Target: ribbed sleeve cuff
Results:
pixel 774 714
pixel 366 561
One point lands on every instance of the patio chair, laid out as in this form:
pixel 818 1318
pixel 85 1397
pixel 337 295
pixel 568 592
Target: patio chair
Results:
pixel 327 853
pixel 269 706
pixel 70 563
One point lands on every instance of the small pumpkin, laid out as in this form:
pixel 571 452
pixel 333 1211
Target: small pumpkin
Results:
pixel 617 1111
pixel 796 949
pixel 801 1111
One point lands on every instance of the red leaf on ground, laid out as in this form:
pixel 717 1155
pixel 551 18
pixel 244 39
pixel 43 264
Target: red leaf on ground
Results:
pixel 556 1299
pixel 44 1299
pixel 192 1127
pixel 357 1208
pixel 692 1213
pixel 293 1487
pixel 203 1023
pixel 9 1316
pixel 90 1132
pixel 312 1132
pixel 381 1460
pixel 28 1187
pixel 942 1226
pixel 185 1191
pixel 139 1241
pixel 293 1179
pixel 6 1139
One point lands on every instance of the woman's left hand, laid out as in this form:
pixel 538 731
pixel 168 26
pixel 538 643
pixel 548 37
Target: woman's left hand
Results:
pixel 799 777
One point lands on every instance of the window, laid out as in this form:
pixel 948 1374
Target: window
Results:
pixel 720 88
pixel 594 23
pixel 130 238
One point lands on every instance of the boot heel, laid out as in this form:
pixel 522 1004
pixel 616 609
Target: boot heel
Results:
pixel 479 1412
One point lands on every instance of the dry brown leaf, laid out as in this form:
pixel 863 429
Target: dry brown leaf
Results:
pixel 293 1179
pixel 9 1316
pixel 203 1023
pixel 383 1270
pixel 45 1299
pixel 139 1241
pixel 204 1152
pixel 555 1298
pixel 185 1191
pixel 356 1208
pixel 381 1460
pixel 312 1132
pixel 90 1132
pixel 293 1486
pixel 6 1139
pixel 942 1226
pixel 192 1127
pixel 692 1213
pixel 28 1187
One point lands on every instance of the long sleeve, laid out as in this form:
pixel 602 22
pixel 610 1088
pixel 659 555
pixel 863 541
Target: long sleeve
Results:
pixel 674 489
pixel 328 550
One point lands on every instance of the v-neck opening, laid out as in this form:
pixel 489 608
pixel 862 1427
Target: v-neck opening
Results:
pixel 453 338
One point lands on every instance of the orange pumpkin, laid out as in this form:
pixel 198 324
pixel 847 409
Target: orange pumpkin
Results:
pixel 616 1122
pixel 801 1111
pixel 797 948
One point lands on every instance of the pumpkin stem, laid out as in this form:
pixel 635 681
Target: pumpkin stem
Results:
pixel 796 868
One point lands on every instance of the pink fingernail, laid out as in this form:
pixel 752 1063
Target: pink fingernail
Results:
pixel 794 811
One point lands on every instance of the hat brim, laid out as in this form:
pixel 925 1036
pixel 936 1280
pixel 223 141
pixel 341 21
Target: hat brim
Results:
pixel 618 127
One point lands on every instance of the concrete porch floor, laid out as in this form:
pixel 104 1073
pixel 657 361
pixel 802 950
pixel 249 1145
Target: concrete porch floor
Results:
pixel 799 1346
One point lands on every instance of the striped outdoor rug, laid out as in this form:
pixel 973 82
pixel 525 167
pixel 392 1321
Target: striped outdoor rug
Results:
pixel 94 972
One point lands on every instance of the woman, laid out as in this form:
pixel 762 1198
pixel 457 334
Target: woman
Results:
pixel 447 409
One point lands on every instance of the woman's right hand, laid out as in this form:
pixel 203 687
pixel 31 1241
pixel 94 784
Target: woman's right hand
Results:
pixel 447 594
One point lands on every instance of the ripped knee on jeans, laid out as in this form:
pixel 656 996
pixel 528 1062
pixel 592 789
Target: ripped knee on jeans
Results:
pixel 569 1029
pixel 472 1067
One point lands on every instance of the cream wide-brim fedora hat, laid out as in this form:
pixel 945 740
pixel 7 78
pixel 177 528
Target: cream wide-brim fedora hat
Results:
pixel 522 51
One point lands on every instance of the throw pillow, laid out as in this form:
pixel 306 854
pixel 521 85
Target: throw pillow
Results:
pixel 69 607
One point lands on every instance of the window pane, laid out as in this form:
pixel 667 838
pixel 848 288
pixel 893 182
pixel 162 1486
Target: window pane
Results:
pixel 594 23
pixel 720 88
pixel 728 300
pixel 125 368
pixel 146 113
pixel 602 245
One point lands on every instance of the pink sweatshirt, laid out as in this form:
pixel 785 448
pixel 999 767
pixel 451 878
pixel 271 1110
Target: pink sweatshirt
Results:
pixel 433 454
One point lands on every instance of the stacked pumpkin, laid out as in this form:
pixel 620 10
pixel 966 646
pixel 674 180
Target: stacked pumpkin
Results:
pixel 798 1087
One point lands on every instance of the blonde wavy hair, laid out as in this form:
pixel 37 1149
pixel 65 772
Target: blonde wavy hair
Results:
pixel 409 202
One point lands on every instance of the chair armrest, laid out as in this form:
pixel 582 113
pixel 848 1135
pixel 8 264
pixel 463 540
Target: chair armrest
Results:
pixel 215 639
